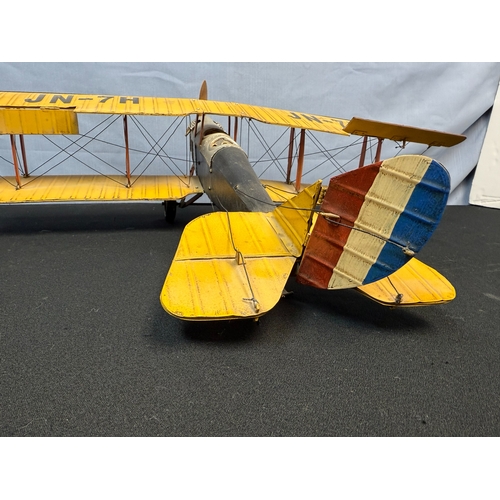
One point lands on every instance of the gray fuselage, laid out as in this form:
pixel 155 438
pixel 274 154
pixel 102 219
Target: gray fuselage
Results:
pixel 225 172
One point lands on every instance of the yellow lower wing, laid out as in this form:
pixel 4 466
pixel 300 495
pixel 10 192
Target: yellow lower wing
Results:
pixel 236 264
pixel 97 188
pixel 415 284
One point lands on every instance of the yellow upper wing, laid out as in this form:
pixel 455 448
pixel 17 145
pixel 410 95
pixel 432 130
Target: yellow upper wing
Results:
pixel 164 106
pixel 11 102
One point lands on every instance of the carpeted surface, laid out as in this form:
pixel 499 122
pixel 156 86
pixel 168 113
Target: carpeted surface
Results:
pixel 87 350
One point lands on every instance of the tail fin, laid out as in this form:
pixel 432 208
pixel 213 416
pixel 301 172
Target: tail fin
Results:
pixel 373 221
pixel 295 215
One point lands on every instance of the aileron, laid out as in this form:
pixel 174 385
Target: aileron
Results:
pixel 38 121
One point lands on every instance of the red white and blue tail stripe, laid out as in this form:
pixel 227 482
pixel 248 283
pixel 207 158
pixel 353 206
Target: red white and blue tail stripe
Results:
pixel 373 220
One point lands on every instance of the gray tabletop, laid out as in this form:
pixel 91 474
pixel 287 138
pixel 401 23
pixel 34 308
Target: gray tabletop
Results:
pixel 87 350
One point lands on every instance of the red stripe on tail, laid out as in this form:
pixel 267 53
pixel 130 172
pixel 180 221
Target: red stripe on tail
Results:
pixel 344 197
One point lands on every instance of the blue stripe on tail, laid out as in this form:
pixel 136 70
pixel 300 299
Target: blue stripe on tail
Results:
pixel 416 223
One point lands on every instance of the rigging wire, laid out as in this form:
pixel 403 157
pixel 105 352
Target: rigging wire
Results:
pixel 85 164
pixel 132 150
pixel 399 295
pixel 63 150
pixel 344 167
pixel 13 184
pixel 330 154
pixel 83 147
pixel 72 155
pixel 5 159
pixel 142 129
pixel 8 181
pixel 89 152
pixel 267 148
pixel 326 152
pixel 155 155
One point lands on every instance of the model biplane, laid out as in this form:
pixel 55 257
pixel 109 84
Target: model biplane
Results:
pixel 362 230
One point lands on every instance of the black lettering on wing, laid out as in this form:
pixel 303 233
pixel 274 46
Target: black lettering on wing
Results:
pixel 312 118
pixel 65 100
pixel 135 100
pixel 38 99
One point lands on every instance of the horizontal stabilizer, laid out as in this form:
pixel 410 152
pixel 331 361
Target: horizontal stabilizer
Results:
pixel 415 284
pixel 373 220
pixel 236 264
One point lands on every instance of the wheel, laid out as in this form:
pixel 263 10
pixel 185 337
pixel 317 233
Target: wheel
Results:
pixel 170 210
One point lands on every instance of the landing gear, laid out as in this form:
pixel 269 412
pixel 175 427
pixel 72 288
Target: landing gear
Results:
pixel 170 210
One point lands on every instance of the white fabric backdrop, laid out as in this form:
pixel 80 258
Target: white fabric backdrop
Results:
pixel 453 97
pixel 485 190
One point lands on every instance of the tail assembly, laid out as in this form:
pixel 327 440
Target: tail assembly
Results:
pixel 373 220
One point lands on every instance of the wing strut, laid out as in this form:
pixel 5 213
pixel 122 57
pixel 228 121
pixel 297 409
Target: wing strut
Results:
pixel 127 152
pixel 300 163
pixel 17 169
pixel 364 148
pixel 290 155
pixel 23 153
pixel 235 129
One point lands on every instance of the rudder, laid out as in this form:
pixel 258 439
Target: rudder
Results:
pixel 373 220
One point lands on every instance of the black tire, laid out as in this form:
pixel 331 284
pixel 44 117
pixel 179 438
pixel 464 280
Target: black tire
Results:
pixel 170 210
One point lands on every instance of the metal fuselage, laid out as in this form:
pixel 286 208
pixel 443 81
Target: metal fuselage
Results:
pixel 224 170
